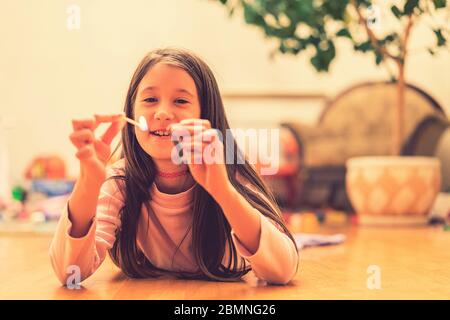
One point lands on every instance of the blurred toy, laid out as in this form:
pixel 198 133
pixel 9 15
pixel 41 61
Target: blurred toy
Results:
pixel 313 240
pixel 46 167
pixel 354 219
pixel 5 188
pixel 42 207
pixel 13 210
pixel 19 193
pixel 336 218
pixel 48 176
pixel 53 188
pixel 306 222
pixel 37 217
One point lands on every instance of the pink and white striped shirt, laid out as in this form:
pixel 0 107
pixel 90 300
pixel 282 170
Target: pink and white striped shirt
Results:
pixel 159 234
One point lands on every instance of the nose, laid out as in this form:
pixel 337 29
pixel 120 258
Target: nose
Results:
pixel 163 114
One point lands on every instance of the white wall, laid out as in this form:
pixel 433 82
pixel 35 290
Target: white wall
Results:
pixel 49 75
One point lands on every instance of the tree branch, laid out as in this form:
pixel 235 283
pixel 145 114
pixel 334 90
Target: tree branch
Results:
pixel 406 38
pixel 373 39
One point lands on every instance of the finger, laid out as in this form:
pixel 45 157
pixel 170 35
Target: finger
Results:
pixel 196 158
pixel 82 137
pixel 193 154
pixel 205 137
pixel 212 146
pixel 88 123
pixel 112 131
pixel 109 117
pixel 185 137
pixel 186 131
pixel 184 150
pixel 195 121
pixel 85 153
pixel 193 146
pixel 102 150
pixel 212 135
pixel 187 126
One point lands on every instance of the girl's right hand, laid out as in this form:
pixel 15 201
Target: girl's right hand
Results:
pixel 93 152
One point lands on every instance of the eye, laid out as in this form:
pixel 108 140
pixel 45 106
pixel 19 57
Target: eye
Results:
pixel 150 100
pixel 181 101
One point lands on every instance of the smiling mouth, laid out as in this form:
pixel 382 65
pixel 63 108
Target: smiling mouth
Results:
pixel 160 133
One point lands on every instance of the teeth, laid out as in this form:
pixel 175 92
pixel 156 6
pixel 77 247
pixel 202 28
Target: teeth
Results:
pixel 162 133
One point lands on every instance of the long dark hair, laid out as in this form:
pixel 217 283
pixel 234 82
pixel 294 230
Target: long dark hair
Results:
pixel 211 232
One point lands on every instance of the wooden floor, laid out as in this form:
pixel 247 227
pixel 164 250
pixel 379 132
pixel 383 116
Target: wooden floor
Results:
pixel 414 263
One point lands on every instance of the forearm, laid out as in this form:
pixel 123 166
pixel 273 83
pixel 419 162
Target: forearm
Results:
pixel 243 218
pixel 83 205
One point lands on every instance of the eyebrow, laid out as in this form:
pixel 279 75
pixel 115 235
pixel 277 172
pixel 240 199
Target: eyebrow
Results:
pixel 150 88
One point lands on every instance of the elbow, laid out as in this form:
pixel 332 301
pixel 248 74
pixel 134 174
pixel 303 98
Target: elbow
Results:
pixel 68 275
pixel 286 274
pixel 56 255
pixel 57 269
pixel 281 279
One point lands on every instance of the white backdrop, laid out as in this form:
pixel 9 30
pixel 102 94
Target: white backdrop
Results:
pixel 49 74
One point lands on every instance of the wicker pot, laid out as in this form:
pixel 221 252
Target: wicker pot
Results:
pixel 393 190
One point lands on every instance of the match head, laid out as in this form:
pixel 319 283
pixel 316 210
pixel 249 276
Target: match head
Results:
pixel 143 123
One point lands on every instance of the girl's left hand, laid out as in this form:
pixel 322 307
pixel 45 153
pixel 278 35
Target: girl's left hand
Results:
pixel 204 152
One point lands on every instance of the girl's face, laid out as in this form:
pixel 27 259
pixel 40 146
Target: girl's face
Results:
pixel 167 94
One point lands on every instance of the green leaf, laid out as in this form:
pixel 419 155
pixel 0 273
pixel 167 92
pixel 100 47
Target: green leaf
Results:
pixel 313 40
pixel 388 39
pixel 440 37
pixel 364 46
pixel 282 48
pixel 317 63
pixel 281 33
pixel 409 7
pixel 223 1
pixel 292 48
pixel 439 3
pixel 364 3
pixel 335 9
pixel 378 58
pixel 344 33
pixel 305 11
pixel 252 16
pixel 396 11
pixel 323 57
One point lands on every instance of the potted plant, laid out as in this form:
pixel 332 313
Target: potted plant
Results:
pixel 310 25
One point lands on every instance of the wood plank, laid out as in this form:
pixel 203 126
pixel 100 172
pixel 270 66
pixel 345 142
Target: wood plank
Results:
pixel 414 264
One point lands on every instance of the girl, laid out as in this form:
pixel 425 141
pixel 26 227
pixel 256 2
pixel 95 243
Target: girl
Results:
pixel 211 221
